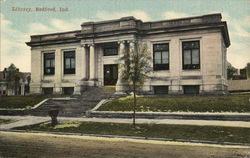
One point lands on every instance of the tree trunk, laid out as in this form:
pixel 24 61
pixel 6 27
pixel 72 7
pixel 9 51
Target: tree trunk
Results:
pixel 134 89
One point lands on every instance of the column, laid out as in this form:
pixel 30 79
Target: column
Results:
pixel 92 62
pixel 83 73
pixel 121 85
pixel 80 68
pixel 22 89
pixel 58 71
pixel 121 55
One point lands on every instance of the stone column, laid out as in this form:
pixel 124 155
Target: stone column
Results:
pixel 80 69
pixel 22 88
pixel 121 85
pixel 92 62
pixel 58 71
pixel 83 73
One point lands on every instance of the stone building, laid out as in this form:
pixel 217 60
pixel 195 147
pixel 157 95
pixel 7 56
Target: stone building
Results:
pixel 189 55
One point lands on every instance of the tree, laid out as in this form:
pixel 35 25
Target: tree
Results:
pixel 13 78
pixel 135 69
pixel 230 71
pixel 248 70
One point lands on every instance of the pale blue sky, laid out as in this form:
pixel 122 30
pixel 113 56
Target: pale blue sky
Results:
pixel 16 26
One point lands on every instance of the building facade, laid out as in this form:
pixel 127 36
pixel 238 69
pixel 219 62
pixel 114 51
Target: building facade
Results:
pixel 189 55
pixel 13 82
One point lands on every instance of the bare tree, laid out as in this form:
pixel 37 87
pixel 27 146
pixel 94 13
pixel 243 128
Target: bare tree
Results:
pixel 135 70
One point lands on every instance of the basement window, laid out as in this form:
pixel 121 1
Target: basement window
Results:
pixel 48 90
pixel 160 89
pixel 191 89
pixel 68 90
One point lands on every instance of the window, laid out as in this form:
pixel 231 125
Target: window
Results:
pixel 161 56
pixel 110 51
pixel 68 90
pixel 191 55
pixel 49 63
pixel 191 89
pixel 48 90
pixel 160 89
pixel 69 62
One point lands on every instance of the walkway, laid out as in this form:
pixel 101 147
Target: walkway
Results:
pixel 29 120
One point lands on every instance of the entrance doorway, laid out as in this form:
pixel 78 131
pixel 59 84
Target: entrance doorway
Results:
pixel 110 74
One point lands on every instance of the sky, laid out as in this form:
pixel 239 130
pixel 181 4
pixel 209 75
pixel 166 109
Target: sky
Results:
pixel 17 26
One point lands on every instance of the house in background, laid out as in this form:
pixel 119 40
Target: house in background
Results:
pixel 13 82
pixel 189 55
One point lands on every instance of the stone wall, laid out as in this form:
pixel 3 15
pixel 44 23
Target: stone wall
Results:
pixel 239 85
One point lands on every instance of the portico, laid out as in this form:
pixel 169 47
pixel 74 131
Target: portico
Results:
pixel 98 64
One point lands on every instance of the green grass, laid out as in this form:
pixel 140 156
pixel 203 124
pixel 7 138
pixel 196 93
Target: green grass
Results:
pixel 5 121
pixel 20 102
pixel 232 103
pixel 187 132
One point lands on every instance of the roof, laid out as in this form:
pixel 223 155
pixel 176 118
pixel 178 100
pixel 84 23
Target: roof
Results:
pixel 131 25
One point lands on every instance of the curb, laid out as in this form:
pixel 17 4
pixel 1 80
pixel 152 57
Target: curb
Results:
pixel 174 115
pixel 134 138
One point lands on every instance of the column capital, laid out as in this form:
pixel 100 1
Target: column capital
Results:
pixel 83 45
pixel 121 42
pixel 91 45
pixel 132 41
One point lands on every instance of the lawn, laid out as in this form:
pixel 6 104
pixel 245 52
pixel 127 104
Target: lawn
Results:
pixel 5 121
pixel 231 103
pixel 187 132
pixel 19 102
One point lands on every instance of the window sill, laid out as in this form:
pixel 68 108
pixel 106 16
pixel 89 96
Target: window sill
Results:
pixel 185 70
pixel 161 70
pixel 69 74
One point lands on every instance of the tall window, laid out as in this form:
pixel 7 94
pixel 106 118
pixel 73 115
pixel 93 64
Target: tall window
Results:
pixel 110 51
pixel 191 55
pixel 49 63
pixel 161 56
pixel 69 62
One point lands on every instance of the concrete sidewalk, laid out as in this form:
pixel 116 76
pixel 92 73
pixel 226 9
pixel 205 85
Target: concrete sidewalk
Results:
pixel 29 120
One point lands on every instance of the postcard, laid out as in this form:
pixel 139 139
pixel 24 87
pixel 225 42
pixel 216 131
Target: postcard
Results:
pixel 125 78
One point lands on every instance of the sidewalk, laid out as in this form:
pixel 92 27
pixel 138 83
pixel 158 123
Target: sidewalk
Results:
pixel 29 120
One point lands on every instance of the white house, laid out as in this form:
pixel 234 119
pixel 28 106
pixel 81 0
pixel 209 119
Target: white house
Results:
pixel 189 55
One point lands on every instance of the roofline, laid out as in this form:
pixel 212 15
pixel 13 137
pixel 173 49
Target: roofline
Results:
pixel 109 21
pixel 56 33
pixel 133 18
pixel 184 18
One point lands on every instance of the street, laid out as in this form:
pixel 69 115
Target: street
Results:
pixel 14 144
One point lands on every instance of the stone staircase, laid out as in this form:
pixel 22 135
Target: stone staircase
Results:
pixel 78 105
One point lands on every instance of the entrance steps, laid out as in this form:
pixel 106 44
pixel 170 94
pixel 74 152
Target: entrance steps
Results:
pixel 78 105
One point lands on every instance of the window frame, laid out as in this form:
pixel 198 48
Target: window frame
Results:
pixel 191 66
pixel 71 70
pixel 159 67
pixel 50 59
